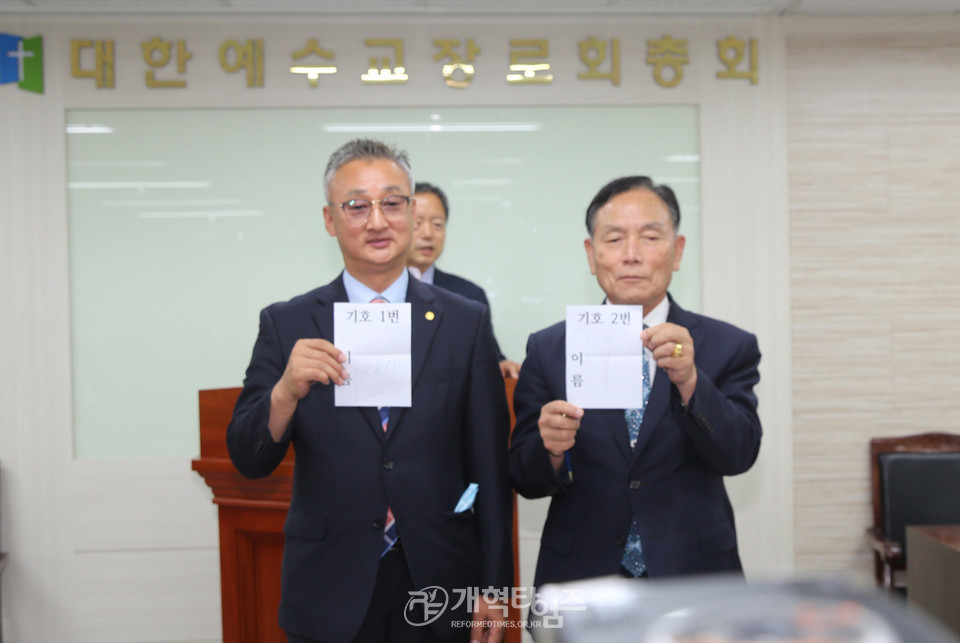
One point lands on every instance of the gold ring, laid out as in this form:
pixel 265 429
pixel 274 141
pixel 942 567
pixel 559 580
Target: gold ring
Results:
pixel 678 351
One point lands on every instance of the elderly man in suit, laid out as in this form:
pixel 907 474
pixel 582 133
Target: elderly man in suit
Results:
pixel 429 235
pixel 372 517
pixel 639 492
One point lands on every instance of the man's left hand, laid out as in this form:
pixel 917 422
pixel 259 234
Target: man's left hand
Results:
pixel 672 348
pixel 509 369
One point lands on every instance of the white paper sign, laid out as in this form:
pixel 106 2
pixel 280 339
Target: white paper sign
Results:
pixel 605 357
pixel 376 339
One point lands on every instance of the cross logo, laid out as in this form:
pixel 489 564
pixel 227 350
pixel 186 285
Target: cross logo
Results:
pixel 21 61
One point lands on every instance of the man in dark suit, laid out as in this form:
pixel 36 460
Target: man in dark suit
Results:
pixel 341 582
pixel 429 234
pixel 658 507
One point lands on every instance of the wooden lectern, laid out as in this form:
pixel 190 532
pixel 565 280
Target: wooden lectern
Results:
pixel 251 516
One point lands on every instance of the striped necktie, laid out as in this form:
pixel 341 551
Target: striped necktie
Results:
pixel 390 536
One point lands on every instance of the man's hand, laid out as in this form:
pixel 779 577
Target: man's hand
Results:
pixel 488 618
pixel 672 347
pixel 311 361
pixel 559 422
pixel 509 369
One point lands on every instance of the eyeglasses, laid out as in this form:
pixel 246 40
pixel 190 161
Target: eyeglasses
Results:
pixel 392 206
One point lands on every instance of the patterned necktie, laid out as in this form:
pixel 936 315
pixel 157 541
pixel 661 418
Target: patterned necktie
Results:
pixel 390 536
pixel 632 552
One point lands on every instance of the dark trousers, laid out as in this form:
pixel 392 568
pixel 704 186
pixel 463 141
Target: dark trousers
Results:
pixel 385 622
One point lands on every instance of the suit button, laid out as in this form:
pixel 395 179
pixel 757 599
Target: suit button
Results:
pixel 378 523
pixel 388 465
pixel 635 484
pixel 621 541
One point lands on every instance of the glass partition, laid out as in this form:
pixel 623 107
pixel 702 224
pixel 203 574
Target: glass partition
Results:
pixel 185 223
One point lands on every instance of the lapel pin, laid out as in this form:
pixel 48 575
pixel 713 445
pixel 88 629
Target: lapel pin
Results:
pixel 429 315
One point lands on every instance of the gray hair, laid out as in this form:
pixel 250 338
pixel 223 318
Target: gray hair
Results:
pixel 365 148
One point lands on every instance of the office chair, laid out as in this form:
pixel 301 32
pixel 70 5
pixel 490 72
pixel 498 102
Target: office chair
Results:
pixel 916 481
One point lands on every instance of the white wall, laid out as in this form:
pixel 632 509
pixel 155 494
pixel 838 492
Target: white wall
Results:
pixel 874 204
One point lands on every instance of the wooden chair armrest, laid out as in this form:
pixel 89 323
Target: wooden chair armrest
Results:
pixel 889 551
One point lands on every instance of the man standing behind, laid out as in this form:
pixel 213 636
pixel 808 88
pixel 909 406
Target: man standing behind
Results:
pixel 359 470
pixel 651 501
pixel 429 233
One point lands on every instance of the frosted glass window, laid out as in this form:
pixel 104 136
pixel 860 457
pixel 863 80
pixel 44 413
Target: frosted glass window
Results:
pixel 185 223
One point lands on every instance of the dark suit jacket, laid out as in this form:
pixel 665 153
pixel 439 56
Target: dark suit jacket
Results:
pixel 466 288
pixel 673 480
pixel 347 469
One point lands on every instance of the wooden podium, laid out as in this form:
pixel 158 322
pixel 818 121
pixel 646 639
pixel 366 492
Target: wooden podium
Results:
pixel 251 516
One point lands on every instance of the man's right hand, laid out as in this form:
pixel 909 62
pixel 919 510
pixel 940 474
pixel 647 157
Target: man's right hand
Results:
pixel 559 422
pixel 311 361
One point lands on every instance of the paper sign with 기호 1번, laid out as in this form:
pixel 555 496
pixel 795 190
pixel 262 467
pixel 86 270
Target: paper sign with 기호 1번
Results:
pixel 376 339
pixel 604 356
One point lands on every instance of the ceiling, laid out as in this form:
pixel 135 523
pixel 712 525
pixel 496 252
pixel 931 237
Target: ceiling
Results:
pixel 697 8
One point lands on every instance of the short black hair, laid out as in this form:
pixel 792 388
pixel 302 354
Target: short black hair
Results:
pixel 423 186
pixel 627 183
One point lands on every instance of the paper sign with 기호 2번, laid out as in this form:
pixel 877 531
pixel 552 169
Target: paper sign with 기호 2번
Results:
pixel 604 365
